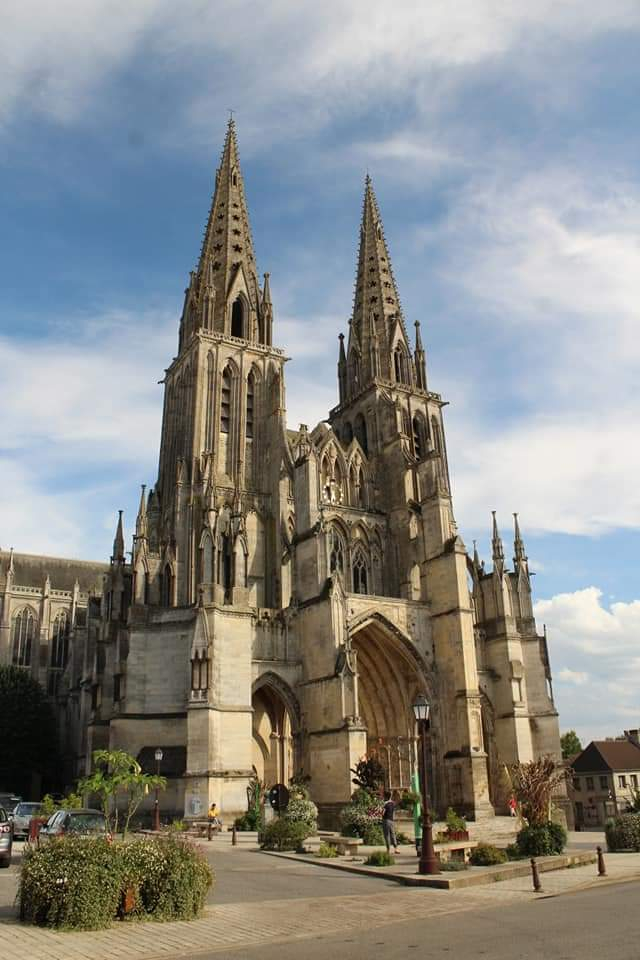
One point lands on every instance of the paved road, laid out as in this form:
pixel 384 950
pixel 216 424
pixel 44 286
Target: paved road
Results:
pixel 596 924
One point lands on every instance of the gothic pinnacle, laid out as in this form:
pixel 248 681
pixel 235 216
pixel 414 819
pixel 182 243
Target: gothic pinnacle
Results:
pixel 118 542
pixel 519 554
pixel 497 550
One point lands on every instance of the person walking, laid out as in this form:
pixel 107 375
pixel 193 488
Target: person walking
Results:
pixel 388 824
pixel 513 806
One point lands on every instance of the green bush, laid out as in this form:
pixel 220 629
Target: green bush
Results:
pixel 363 818
pixel 70 883
pixel 380 858
pixel 542 841
pixel 327 851
pixel 623 833
pixel 486 855
pixel 513 852
pixel 283 834
pixel 452 866
pixel 80 884
pixel 248 821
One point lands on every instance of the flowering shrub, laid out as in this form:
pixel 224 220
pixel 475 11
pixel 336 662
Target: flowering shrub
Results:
pixel 283 834
pixel 363 818
pixel 300 810
pixel 84 884
pixel 541 840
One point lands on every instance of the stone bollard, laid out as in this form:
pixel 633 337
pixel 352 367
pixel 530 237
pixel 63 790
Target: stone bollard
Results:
pixel 537 886
pixel 602 870
pixel 234 839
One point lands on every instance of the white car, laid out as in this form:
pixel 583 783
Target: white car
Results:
pixel 21 816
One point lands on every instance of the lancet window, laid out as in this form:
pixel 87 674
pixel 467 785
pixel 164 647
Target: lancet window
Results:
pixel 360 429
pixel 250 405
pixel 60 641
pixel 24 631
pixel 225 402
pixel 360 572
pixel 336 552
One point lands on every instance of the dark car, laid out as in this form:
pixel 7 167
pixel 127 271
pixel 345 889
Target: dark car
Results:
pixel 79 823
pixel 6 838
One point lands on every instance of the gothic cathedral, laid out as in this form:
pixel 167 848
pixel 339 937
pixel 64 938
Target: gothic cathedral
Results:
pixel 290 592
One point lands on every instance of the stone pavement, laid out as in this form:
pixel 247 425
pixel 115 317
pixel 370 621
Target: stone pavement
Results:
pixel 228 926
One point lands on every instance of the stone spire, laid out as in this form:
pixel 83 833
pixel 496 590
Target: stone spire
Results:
pixel 520 559
pixel 497 549
pixel 266 313
pixel 118 555
pixel 420 362
pixel 227 248
pixel 141 519
pixel 342 370
pixel 376 310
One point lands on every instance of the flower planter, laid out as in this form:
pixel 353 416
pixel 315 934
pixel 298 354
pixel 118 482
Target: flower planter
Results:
pixel 457 834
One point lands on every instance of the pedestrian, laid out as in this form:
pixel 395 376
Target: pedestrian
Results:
pixel 513 806
pixel 213 817
pixel 388 825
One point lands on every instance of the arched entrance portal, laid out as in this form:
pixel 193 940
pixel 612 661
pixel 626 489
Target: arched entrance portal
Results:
pixel 390 675
pixel 275 729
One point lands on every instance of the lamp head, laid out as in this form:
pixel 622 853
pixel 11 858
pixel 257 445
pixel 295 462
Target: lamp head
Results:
pixel 159 754
pixel 421 708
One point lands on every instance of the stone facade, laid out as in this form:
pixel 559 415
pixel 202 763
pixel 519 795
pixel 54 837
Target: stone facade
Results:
pixel 291 591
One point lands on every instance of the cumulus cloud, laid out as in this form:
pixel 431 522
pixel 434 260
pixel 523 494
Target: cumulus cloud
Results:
pixel 595 661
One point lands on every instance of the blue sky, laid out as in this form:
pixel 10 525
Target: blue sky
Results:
pixel 502 138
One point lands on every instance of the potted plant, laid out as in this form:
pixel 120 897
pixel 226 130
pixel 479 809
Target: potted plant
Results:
pixel 456 826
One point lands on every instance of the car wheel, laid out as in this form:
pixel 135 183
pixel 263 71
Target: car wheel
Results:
pixel 5 862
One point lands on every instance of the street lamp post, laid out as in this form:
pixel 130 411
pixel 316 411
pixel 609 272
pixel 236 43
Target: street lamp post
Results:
pixel 429 862
pixel 156 803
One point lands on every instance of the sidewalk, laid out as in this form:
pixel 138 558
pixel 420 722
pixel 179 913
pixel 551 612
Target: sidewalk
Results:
pixel 226 927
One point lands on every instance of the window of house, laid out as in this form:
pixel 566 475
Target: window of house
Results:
pixel 604 782
pixel 622 781
pixel 589 783
pixel 576 784
pixel 634 781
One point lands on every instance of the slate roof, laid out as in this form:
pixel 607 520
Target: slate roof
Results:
pixel 608 756
pixel 31 570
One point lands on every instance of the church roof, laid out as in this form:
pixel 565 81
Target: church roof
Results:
pixel 31 570
pixel 608 755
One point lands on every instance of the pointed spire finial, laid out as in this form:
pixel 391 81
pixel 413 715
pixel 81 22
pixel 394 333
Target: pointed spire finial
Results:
pixel 476 556
pixel 118 542
pixel 497 549
pixel 520 559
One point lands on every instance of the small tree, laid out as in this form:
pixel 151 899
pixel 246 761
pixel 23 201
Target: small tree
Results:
pixel 369 775
pixel 570 744
pixel 117 773
pixel 533 785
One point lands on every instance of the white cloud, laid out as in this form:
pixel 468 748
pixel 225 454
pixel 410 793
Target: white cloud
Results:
pixel 549 266
pixel 595 661
pixel 57 58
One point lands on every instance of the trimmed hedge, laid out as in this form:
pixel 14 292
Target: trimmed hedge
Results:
pixel 486 855
pixel 542 841
pixel 623 833
pixel 84 884
pixel 283 834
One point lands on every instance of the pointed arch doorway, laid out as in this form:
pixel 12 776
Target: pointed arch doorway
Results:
pixel 390 675
pixel 276 723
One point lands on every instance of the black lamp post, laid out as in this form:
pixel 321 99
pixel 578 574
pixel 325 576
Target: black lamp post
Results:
pixel 156 803
pixel 429 862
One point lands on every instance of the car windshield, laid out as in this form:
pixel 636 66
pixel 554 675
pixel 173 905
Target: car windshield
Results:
pixel 26 809
pixel 86 823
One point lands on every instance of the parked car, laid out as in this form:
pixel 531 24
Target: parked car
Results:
pixel 9 801
pixel 6 838
pixel 21 816
pixel 80 823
